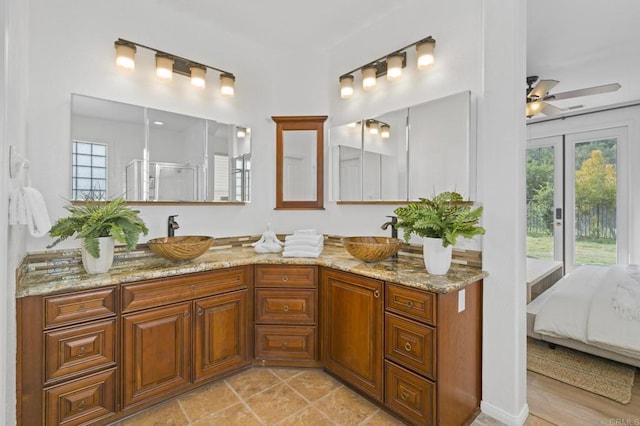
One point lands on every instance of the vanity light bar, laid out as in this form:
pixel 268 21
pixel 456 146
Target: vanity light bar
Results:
pixel 167 64
pixel 390 65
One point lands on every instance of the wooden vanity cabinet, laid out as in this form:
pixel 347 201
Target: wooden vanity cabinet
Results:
pixel 353 312
pixel 182 330
pixel 67 357
pixel 433 354
pixel 286 315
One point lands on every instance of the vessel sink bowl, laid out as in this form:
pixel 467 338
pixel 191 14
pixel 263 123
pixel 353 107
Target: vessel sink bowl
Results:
pixel 186 247
pixel 371 249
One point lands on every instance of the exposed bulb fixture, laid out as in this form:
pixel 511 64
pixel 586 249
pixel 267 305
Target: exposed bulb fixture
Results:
pixel 425 50
pixel 346 86
pixel 385 131
pixel 164 66
pixel 373 126
pixel 197 76
pixel 390 65
pixel 168 64
pixel 533 108
pixel 227 82
pixel 394 66
pixel 125 54
pixel 369 77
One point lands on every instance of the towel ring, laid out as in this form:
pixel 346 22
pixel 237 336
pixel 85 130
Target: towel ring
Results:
pixel 16 162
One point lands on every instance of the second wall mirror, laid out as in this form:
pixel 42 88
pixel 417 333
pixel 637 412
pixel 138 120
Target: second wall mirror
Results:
pixel 299 162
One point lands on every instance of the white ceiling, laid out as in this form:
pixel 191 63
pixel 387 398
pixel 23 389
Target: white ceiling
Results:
pixel 581 43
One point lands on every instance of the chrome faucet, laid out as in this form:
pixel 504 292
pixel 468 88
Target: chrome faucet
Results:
pixel 172 225
pixel 393 222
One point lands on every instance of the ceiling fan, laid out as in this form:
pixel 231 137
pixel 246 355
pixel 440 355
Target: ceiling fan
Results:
pixel 538 96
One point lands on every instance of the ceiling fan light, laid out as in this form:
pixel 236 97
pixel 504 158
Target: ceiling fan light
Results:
pixel 533 108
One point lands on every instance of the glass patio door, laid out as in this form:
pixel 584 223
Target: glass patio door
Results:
pixel 595 196
pixel 577 207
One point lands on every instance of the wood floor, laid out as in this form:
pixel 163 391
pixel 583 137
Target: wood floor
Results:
pixel 554 403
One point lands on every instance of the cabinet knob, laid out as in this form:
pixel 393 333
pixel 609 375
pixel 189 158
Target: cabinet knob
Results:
pixel 81 351
pixel 376 294
pixel 284 346
pixel 285 308
pixel 407 347
pixel 186 314
pixel 81 405
pixel 285 278
pixel 404 396
pixel 192 287
pixel 410 304
pixel 200 311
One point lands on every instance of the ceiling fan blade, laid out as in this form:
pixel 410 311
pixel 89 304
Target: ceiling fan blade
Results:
pixel 548 109
pixel 542 88
pixel 583 92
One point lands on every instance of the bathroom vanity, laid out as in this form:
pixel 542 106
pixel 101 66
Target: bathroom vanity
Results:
pixel 96 349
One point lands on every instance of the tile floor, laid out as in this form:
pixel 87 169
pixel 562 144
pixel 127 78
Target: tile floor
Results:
pixel 269 396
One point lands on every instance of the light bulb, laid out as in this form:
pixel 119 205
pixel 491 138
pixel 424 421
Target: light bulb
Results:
pixel 125 53
pixel 425 53
pixel 197 76
pixel 369 78
pixel 164 66
pixel 346 86
pixel 394 66
pixel 227 82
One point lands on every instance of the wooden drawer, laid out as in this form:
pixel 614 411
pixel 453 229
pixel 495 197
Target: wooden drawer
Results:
pixel 79 306
pixel 286 306
pixel 79 349
pixel 419 305
pixel 410 395
pixel 285 343
pixel 411 344
pixel 185 287
pixel 286 276
pixel 81 401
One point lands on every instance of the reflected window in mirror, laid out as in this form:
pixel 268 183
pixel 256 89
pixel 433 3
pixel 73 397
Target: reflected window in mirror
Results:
pixel 299 162
pixel 89 175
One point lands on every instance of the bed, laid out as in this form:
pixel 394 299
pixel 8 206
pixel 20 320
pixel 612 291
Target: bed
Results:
pixel 594 309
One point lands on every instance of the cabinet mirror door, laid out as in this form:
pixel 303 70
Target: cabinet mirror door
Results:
pixel 299 162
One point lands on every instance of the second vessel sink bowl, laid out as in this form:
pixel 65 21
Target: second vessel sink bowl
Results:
pixel 186 247
pixel 371 249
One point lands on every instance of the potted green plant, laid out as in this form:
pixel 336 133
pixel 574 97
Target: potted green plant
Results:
pixel 98 224
pixel 440 221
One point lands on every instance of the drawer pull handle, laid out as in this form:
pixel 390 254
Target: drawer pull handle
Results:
pixel 410 304
pixel 186 314
pixel 81 351
pixel 82 405
pixel 404 396
pixel 285 308
pixel 200 311
pixel 284 346
pixel 407 347
pixel 376 294
pixel 285 278
pixel 192 287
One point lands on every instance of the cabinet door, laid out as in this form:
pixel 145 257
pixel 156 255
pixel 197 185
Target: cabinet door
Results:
pixel 156 352
pixel 353 316
pixel 220 334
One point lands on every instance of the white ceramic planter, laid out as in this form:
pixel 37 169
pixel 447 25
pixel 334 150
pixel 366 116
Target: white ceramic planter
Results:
pixel 437 259
pixel 101 264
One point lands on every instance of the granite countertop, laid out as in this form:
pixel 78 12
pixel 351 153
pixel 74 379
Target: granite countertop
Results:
pixel 44 277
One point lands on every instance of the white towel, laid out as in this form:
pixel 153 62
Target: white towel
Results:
pixel 17 208
pixel 295 252
pixel 310 239
pixel 305 232
pixel 37 215
pixel 303 244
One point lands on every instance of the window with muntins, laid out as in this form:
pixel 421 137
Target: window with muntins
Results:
pixel 89 171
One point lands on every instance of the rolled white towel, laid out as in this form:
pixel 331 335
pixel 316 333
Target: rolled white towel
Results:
pixel 311 239
pixel 305 232
pixel 37 216
pixel 301 253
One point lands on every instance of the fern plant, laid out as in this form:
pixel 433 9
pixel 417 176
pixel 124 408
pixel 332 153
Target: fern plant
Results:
pixel 94 219
pixel 445 216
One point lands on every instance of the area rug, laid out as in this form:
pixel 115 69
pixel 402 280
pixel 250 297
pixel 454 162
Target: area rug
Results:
pixel 594 374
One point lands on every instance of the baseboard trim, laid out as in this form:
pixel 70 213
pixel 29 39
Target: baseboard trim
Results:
pixel 503 416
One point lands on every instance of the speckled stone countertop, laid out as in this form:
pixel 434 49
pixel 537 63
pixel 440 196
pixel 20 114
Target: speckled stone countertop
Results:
pixel 56 276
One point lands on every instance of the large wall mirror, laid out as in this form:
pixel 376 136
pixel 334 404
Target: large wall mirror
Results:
pixel 405 154
pixel 299 162
pixel 149 155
